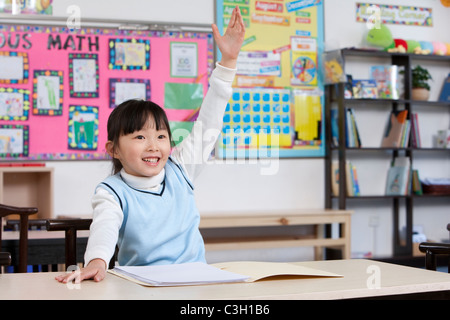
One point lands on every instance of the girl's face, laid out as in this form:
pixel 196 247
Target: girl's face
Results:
pixel 143 153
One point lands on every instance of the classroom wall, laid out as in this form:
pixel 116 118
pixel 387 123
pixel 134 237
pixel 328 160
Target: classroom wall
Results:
pixel 297 183
pixel 176 11
pixel 372 221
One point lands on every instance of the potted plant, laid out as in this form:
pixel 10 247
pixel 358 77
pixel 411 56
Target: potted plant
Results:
pixel 420 86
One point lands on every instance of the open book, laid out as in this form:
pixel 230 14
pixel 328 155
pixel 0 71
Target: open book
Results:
pixel 198 273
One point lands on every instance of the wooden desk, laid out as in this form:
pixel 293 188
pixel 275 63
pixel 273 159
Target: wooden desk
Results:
pixel 317 218
pixel 356 282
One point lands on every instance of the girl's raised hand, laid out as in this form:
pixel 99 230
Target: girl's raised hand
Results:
pixel 231 42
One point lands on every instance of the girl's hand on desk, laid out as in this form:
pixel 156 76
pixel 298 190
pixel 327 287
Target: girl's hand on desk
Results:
pixel 231 42
pixel 96 270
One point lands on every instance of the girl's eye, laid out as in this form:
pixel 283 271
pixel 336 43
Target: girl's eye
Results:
pixel 161 136
pixel 140 137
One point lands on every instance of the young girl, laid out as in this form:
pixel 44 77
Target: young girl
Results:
pixel 147 207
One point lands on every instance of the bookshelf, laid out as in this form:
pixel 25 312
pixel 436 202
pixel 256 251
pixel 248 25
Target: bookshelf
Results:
pixel 28 186
pixel 342 154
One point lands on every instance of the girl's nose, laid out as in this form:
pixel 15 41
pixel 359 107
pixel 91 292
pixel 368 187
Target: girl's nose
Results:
pixel 152 144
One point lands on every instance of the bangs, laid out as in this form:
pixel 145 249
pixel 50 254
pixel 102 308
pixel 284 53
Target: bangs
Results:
pixel 134 115
pixel 141 115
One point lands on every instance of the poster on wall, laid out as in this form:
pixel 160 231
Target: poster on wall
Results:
pixel 392 14
pixel 33 7
pixel 14 140
pixel 183 56
pixel 58 86
pixel 277 105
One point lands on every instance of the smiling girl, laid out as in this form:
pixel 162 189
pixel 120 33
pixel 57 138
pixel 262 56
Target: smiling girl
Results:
pixel 147 206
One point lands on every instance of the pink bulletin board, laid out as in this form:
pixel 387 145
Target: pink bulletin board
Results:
pixel 58 86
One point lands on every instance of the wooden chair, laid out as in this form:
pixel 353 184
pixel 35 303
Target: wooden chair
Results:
pixel 431 251
pixel 70 227
pixel 24 213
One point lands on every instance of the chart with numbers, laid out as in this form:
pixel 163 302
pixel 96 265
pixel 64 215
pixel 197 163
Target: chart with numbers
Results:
pixel 257 118
pixel 277 105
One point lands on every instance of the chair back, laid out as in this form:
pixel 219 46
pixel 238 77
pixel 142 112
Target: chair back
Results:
pixel 432 249
pixel 70 228
pixel 23 213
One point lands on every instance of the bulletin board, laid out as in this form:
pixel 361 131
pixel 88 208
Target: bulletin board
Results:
pixel 277 106
pixel 58 86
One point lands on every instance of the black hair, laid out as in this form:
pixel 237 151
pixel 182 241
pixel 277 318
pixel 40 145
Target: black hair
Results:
pixel 131 116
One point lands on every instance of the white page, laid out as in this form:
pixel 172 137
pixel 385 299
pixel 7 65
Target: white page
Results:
pixel 179 274
pixel 11 67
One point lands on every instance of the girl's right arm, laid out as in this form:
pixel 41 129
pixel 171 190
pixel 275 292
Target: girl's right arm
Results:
pixel 104 231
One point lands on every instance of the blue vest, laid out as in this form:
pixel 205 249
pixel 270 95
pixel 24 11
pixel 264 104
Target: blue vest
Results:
pixel 158 227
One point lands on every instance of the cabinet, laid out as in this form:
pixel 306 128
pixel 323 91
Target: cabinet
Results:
pixel 28 186
pixel 402 245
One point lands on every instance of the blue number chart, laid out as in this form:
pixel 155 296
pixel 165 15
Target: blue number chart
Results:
pixel 256 120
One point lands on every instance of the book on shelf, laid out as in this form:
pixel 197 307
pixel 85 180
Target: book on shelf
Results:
pixel 387 81
pixel 395 129
pixel 445 91
pixel 351 175
pixel 416 184
pixel 352 133
pixel 352 137
pixel 335 178
pixel 405 134
pixel 364 89
pixel 354 180
pixel 443 139
pixel 398 177
pixel 397 180
pixel 334 127
pixel 348 88
pixel 415 132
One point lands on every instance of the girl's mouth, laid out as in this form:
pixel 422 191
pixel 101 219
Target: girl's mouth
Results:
pixel 151 160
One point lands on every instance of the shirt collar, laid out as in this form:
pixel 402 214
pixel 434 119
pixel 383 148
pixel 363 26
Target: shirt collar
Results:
pixel 143 183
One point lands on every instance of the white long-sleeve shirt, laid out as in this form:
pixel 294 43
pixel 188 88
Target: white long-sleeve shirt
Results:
pixel 191 153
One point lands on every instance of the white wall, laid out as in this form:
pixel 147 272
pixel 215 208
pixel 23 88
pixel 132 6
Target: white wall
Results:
pixel 299 183
pixel 175 11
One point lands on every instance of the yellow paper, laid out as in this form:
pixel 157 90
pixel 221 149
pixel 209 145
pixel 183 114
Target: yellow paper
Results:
pixel 260 270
